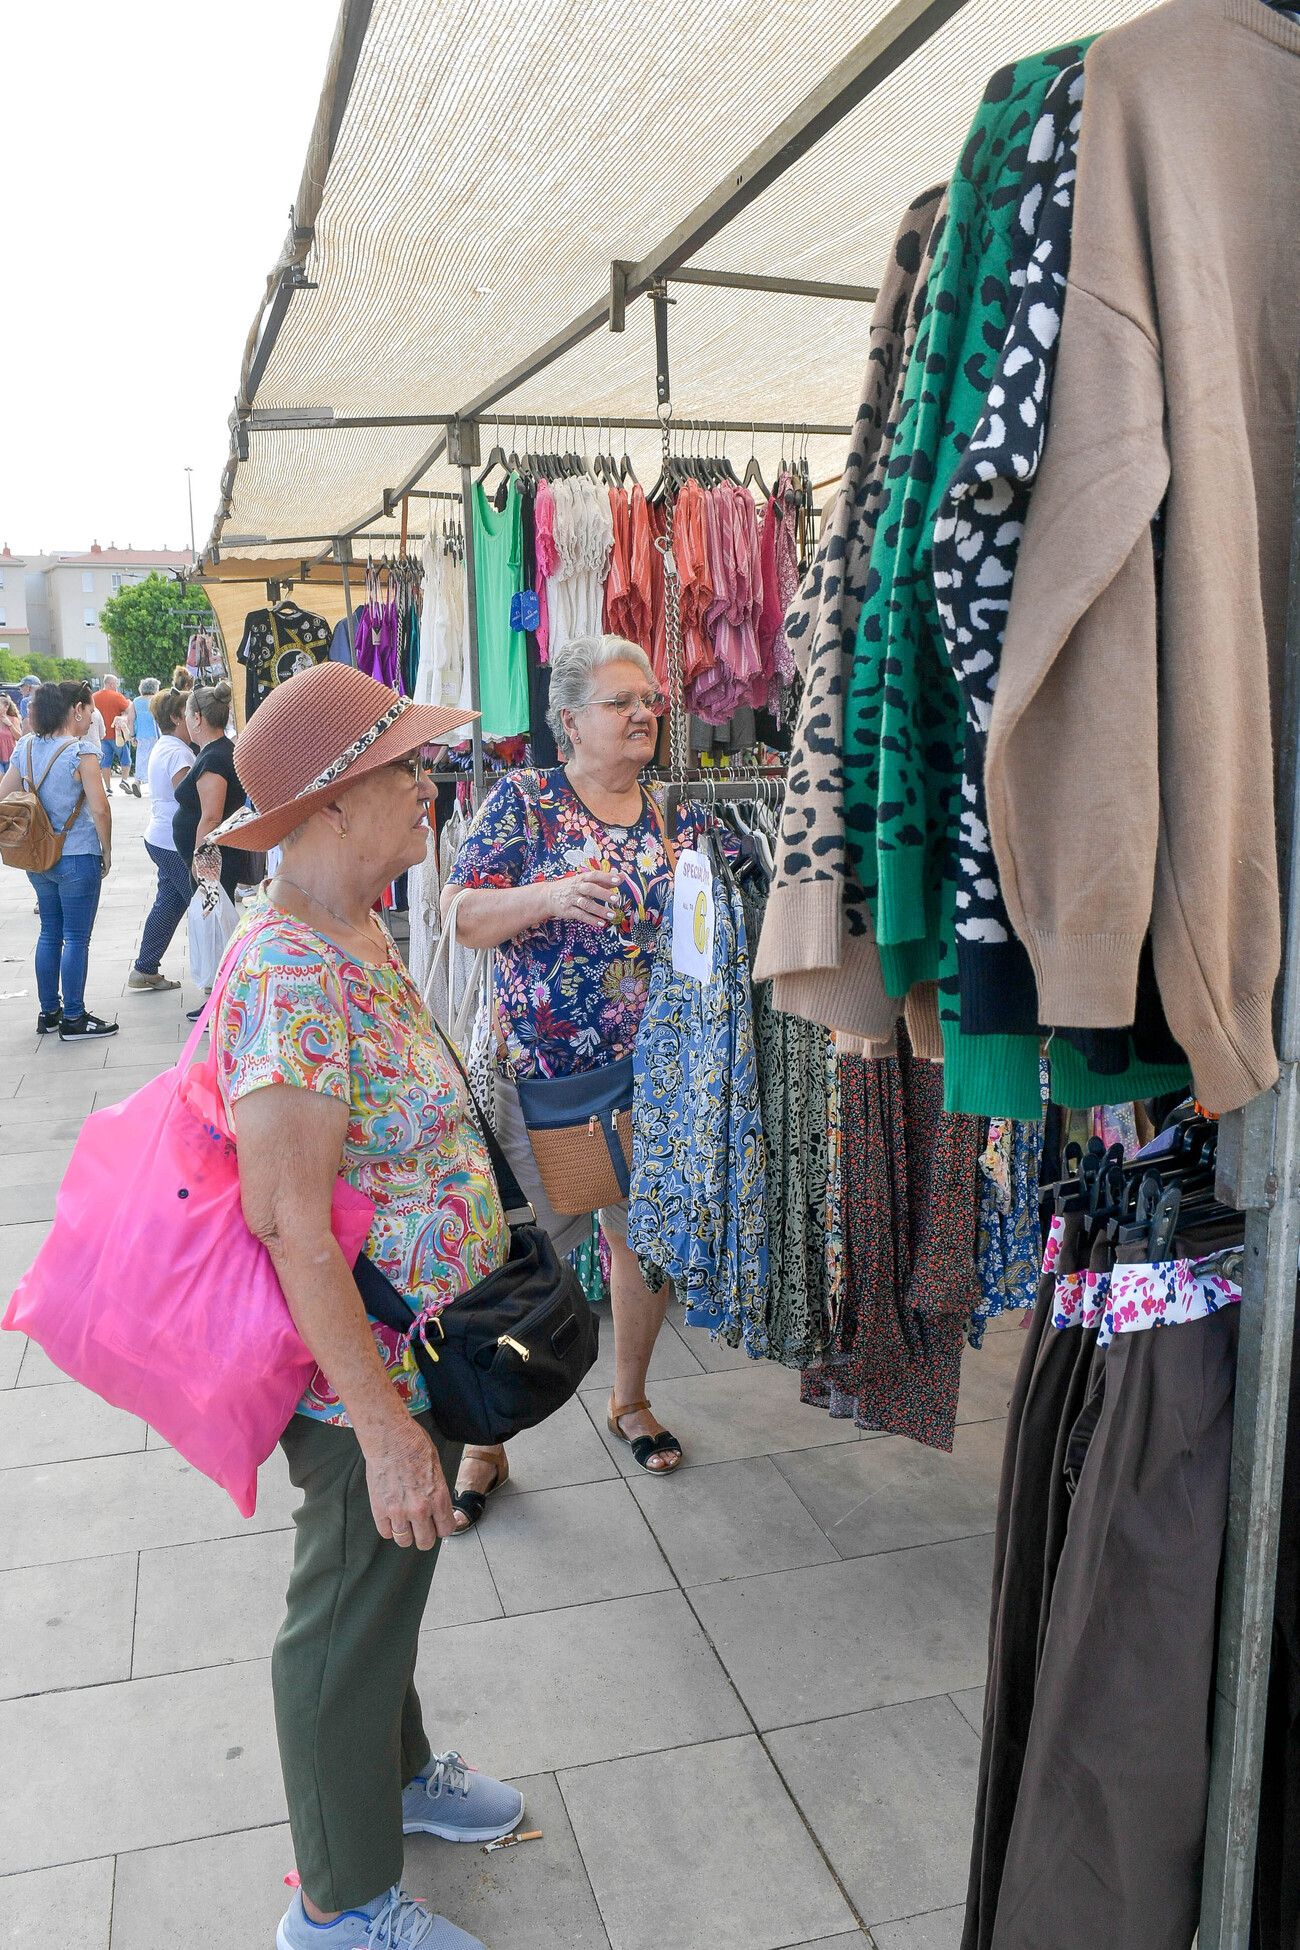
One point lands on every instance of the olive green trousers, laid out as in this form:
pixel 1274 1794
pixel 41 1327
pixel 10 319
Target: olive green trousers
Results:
pixel 347 1714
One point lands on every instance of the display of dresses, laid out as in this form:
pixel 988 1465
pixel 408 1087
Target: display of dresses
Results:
pixel 277 643
pixel 498 580
pixel 583 531
pixel 443 674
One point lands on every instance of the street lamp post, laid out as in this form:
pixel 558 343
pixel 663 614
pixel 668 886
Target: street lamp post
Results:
pixel 189 489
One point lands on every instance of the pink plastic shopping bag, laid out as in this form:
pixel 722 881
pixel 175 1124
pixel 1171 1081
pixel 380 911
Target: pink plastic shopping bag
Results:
pixel 151 1291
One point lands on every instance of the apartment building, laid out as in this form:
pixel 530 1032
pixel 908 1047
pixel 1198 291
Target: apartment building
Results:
pixel 66 591
pixel 15 634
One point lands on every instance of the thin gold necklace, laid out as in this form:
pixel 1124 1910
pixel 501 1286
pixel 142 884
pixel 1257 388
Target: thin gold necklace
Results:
pixel 366 934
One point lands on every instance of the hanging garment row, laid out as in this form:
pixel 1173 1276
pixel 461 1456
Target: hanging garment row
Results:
pixel 204 658
pixel 810 1204
pixel 1110 1525
pixel 1024 767
pixel 277 642
pixel 563 549
pixel 1032 776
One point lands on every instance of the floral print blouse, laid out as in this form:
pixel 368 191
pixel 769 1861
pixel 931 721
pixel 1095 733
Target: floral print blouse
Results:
pixel 298 1010
pixel 568 997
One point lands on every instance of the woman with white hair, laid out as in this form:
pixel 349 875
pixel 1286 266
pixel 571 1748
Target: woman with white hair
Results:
pixel 568 876
pixel 146 730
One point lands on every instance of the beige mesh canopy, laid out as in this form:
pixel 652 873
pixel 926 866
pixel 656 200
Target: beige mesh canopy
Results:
pixel 473 175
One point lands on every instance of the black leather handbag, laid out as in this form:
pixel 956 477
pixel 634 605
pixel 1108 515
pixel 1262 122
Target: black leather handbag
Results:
pixel 512 1349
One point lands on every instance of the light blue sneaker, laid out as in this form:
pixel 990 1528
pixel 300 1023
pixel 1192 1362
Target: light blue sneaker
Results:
pixel 453 1800
pixel 392 1921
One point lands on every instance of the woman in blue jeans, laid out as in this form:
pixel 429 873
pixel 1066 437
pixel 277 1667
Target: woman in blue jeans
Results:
pixel 169 761
pixel 60 758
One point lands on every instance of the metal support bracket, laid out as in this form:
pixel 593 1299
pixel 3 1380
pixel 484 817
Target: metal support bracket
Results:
pixel 618 275
pixel 464 447
pixel 663 378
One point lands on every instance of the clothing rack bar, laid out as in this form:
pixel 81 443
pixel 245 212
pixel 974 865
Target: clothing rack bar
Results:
pixel 275 422
pixel 722 791
pixel 1260 1149
pixel 299 541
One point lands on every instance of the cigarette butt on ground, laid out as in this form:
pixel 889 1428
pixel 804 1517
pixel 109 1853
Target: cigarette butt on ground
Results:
pixel 512 1841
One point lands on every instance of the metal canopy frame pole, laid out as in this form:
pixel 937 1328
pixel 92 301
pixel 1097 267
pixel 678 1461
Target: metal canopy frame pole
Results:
pixel 1260 1173
pixel 850 294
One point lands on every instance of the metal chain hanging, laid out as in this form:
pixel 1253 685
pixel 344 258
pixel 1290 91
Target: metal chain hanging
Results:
pixel 677 743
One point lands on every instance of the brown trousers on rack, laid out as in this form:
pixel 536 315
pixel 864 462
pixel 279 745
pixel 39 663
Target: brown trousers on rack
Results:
pixel 1033 1509
pixel 1106 1842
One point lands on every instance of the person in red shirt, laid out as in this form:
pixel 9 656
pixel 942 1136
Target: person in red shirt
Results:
pixel 110 704
pixel 11 727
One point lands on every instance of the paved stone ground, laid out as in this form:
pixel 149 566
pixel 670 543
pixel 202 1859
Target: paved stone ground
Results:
pixel 742 1703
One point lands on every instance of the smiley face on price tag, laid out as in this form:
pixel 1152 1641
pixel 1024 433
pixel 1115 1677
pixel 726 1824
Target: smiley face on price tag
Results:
pixel 693 916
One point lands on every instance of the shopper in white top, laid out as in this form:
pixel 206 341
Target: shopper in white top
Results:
pixel 169 761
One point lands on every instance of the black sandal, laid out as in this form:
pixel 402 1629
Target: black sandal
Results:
pixel 472 1503
pixel 643 1447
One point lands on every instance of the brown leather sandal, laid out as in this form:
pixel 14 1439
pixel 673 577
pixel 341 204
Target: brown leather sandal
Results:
pixel 471 1504
pixel 644 1446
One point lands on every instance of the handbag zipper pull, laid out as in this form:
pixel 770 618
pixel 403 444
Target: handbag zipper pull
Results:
pixel 593 1125
pixel 507 1340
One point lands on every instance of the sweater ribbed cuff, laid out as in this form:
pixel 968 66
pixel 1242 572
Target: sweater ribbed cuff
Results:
pixel 908 963
pixel 802 929
pixel 1085 981
pixel 849 997
pixel 921 1014
pixel 900 897
pixel 1234 1058
pixel 991 1076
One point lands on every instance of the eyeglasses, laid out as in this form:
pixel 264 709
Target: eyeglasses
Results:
pixel 417 767
pixel 626 702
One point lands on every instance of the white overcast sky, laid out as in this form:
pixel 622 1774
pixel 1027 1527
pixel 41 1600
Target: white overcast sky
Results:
pixel 149 153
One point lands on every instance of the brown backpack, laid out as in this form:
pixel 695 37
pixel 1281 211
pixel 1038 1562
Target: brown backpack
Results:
pixel 27 839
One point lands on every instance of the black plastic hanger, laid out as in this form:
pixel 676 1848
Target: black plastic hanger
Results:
pixel 497 458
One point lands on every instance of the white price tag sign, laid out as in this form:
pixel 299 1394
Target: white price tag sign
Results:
pixel 693 916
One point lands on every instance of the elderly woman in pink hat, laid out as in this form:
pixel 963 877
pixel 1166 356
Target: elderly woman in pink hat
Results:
pixel 329 1064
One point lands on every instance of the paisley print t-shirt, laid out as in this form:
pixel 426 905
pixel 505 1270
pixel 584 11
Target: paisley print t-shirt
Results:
pixel 569 997
pixel 300 1011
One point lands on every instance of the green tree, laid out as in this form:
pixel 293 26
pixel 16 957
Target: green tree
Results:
pixel 148 625
pixel 54 670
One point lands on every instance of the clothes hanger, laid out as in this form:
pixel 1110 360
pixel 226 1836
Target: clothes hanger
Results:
pixel 626 471
pixel 753 474
pixel 497 458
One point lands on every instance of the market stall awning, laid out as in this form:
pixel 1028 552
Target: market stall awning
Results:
pixel 472 179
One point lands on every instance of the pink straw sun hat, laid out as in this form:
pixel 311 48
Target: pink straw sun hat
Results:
pixel 317 734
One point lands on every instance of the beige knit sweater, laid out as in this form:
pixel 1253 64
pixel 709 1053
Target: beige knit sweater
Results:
pixel 1175 383
pixel 817 938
